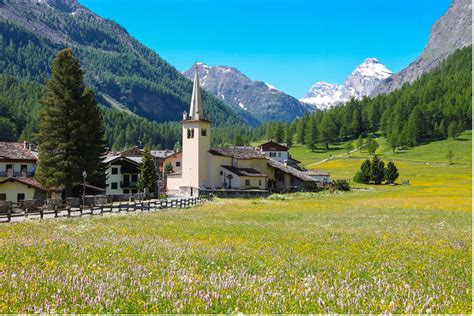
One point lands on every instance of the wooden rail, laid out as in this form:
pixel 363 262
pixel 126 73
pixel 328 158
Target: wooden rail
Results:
pixel 20 212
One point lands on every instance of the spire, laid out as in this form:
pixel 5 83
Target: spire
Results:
pixel 195 112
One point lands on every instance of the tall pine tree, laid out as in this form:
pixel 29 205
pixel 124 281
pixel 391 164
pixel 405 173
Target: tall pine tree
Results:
pixel 148 175
pixel 71 135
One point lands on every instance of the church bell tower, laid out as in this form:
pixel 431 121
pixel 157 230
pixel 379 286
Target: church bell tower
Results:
pixel 196 141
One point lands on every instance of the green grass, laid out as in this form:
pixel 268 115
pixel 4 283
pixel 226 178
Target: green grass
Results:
pixel 394 249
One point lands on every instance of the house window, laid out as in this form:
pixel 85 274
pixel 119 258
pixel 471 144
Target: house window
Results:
pixel 3 196
pixel 279 154
pixel 178 163
pixel 114 170
pixel 134 191
pixel 126 191
pixel 259 182
pixel 23 168
pixel 134 177
pixel 247 183
pixel 222 173
pixel 20 197
pixel 114 186
pixel 203 132
pixel 9 168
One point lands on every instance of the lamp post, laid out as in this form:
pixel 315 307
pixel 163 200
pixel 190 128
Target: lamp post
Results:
pixel 84 175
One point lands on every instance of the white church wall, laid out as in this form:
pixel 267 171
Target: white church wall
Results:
pixel 214 169
pixel 173 183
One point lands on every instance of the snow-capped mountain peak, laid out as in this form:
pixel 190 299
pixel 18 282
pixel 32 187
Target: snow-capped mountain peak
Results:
pixel 362 81
pixel 372 68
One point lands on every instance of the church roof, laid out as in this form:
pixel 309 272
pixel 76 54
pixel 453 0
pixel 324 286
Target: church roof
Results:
pixel 195 111
pixel 237 152
pixel 290 170
pixel 244 172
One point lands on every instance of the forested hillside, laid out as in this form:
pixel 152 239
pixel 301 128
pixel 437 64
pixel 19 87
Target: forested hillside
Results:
pixel 122 72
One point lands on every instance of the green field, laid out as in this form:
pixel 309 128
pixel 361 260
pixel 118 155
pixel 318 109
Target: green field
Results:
pixel 397 249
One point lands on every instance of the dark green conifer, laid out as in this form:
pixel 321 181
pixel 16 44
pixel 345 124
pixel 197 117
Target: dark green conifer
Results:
pixel 70 130
pixel 148 175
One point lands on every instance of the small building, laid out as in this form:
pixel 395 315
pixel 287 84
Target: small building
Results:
pixel 274 150
pixel 17 160
pixel 322 178
pixel 122 174
pixel 123 169
pixel 288 179
pixel 174 159
pixel 18 189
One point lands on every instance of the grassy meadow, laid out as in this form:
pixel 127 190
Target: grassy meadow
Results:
pixel 394 249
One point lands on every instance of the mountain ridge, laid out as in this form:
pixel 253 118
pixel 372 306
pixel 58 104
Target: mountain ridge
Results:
pixel 115 64
pixel 451 31
pixel 360 83
pixel 261 100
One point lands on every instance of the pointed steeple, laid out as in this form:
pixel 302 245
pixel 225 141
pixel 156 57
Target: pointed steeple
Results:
pixel 195 112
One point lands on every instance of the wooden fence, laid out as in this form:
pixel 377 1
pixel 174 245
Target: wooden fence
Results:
pixel 19 212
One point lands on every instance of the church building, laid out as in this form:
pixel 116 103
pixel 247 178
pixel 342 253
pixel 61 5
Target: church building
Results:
pixel 235 168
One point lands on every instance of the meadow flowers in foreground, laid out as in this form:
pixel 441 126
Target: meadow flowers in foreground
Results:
pixel 313 253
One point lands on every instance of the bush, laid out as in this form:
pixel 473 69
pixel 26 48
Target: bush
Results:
pixel 375 171
pixel 391 173
pixel 342 185
pixel 359 178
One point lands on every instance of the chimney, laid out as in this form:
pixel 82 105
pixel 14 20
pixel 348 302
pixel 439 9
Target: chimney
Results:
pixel 25 144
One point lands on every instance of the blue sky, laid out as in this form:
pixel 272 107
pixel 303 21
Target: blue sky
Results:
pixel 289 43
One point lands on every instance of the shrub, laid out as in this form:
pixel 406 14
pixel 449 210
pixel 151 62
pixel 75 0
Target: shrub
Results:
pixel 391 173
pixel 359 178
pixel 377 170
pixel 342 185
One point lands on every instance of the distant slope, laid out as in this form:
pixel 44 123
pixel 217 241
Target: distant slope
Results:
pixel 116 65
pixel 252 98
pixel 452 31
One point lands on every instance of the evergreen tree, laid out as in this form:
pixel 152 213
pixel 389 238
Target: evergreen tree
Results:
pixel 349 148
pixel 8 131
pixel 415 127
pixel 377 170
pixel 328 130
pixel 360 142
pixel 393 142
pixel 70 131
pixel 300 130
pixel 148 174
pixel 311 135
pixel 288 137
pixel 391 173
pixel 363 176
pixel 372 146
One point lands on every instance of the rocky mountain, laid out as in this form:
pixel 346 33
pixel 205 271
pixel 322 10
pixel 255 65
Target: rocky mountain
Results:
pixel 255 98
pixel 452 31
pixel 362 81
pixel 125 74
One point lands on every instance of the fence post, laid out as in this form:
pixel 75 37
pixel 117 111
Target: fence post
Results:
pixel 41 213
pixel 9 214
